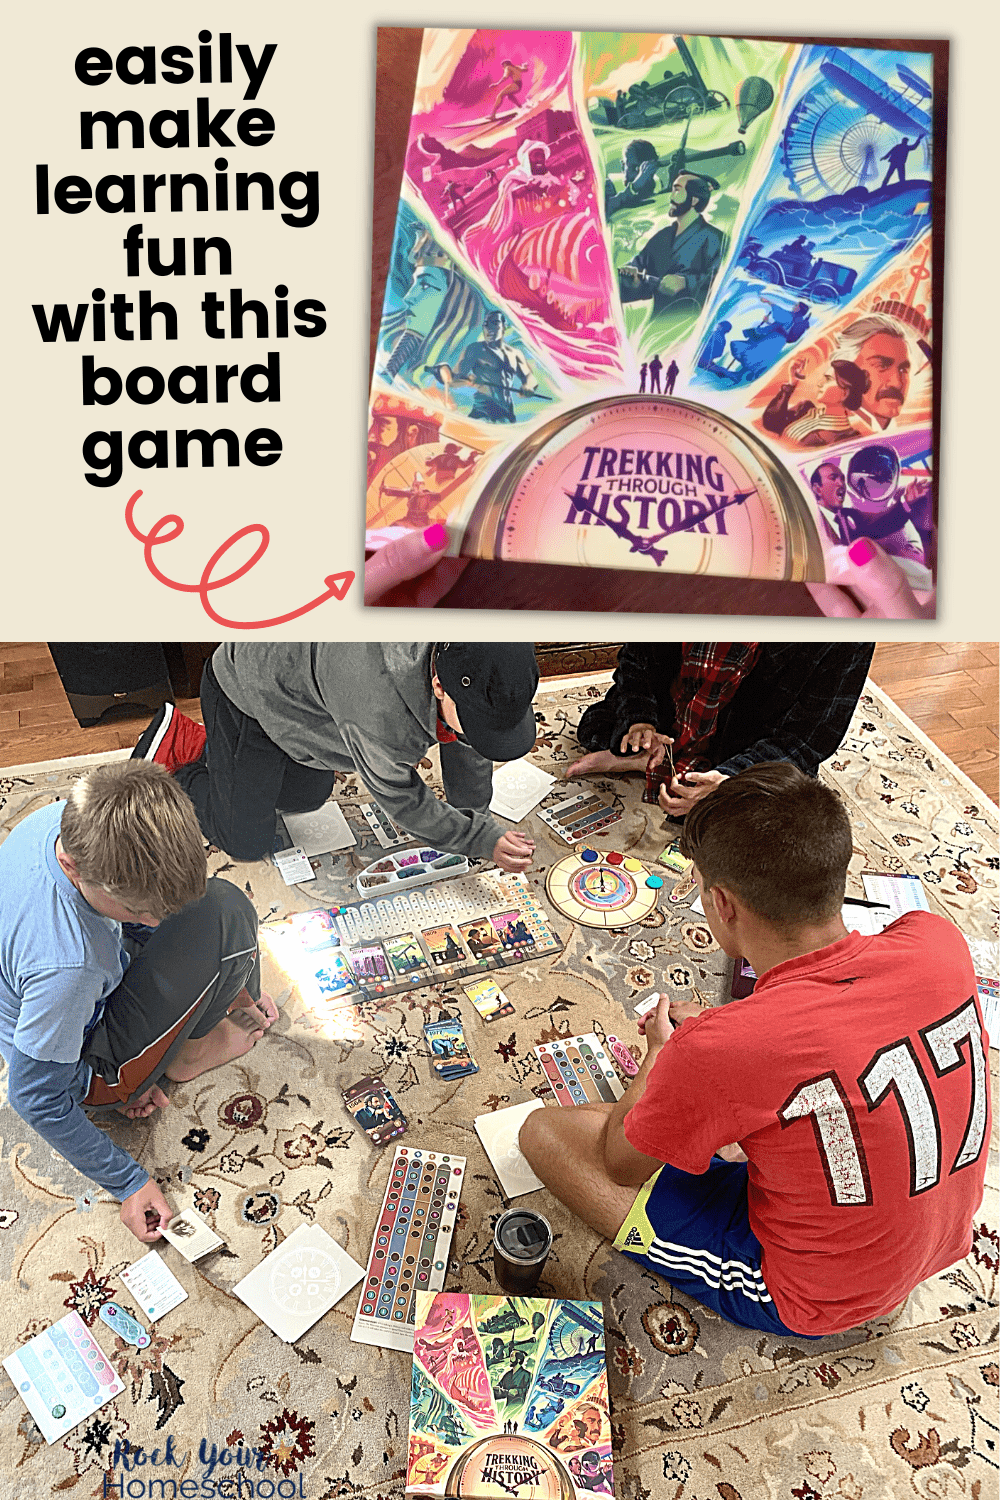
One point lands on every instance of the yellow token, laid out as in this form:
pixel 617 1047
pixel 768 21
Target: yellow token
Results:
pixel 633 864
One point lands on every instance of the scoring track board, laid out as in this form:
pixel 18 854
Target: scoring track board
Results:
pixel 578 1071
pixel 599 894
pixel 461 928
pixel 410 1246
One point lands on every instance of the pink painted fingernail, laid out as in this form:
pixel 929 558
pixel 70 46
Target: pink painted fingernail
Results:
pixel 862 551
pixel 436 537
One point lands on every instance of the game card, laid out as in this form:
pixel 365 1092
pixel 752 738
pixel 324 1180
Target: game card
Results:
pixel 293 866
pixel 375 1110
pixel 334 976
pixel 315 930
pixel 512 930
pixel 299 1281
pixel 444 946
pixel 189 1233
pixel 322 831
pixel 489 999
pixel 153 1285
pixel 673 858
pixel 405 954
pixel 368 963
pixel 480 938
pixel 450 1055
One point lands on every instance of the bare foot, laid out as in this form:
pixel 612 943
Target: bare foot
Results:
pixel 263 1010
pixel 153 1098
pixel 606 760
pixel 231 1038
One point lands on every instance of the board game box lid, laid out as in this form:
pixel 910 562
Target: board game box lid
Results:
pixel 643 295
pixel 509 1398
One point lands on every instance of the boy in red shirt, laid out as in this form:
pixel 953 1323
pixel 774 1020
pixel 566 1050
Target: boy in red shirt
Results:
pixel 854 1079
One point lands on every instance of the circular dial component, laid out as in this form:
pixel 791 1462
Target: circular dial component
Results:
pixel 598 895
pixel 652 483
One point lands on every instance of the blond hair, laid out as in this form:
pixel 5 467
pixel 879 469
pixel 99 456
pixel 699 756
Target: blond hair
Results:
pixel 130 829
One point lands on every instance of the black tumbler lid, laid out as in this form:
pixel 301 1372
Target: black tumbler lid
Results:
pixel 523 1235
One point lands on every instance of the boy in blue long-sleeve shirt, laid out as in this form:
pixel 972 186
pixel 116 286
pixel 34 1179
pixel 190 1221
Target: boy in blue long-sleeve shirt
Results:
pixel 119 968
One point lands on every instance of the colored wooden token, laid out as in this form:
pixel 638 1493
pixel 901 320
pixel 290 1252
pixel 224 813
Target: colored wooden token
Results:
pixel 614 858
pixel 654 882
pixel 590 855
pixel 633 865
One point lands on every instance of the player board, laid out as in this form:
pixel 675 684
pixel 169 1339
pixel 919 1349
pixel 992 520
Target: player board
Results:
pixel 579 1071
pixel 63 1376
pixel 579 817
pixel 410 1247
pixel 459 929
pixel 602 890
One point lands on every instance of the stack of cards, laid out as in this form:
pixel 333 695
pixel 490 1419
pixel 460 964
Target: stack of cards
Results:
pixel 374 1109
pixel 518 786
pixel 489 999
pixel 189 1233
pixel 450 1055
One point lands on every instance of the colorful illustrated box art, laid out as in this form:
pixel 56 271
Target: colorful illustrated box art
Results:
pixel 664 303
pixel 509 1397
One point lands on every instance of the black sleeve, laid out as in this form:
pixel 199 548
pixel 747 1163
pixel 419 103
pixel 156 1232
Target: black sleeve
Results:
pixel 640 695
pixel 811 694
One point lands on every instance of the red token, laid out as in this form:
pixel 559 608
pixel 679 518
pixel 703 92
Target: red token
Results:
pixel 614 858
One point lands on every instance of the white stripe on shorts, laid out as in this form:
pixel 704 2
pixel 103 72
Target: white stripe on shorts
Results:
pixel 732 1275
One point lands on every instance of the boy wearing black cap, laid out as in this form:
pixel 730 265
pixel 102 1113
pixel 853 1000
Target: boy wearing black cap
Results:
pixel 281 718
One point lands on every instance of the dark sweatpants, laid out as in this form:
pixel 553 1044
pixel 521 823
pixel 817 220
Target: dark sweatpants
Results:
pixel 181 981
pixel 243 778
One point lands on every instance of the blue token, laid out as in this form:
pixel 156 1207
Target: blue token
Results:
pixel 590 855
pixel 654 882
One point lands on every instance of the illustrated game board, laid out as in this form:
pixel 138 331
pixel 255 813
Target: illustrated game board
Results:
pixel 602 890
pixel 509 1397
pixel 456 930
pixel 579 1071
pixel 410 1247
pixel 665 302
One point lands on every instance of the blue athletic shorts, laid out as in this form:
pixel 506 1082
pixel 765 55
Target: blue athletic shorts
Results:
pixel 695 1232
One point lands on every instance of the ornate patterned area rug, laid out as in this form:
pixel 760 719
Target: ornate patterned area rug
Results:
pixel 700 1409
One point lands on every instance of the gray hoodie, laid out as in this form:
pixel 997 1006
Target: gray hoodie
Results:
pixel 366 706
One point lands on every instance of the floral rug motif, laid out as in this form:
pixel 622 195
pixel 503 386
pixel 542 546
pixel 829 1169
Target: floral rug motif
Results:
pixel 904 1405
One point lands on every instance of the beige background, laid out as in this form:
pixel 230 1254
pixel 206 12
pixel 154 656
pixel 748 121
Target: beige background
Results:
pixel 72 570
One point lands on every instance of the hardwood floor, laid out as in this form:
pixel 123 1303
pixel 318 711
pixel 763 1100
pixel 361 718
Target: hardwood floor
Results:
pixel 948 688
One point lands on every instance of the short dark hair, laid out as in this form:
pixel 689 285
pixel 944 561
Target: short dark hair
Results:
pixel 854 381
pixel 816 478
pixel 699 189
pixel 778 839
